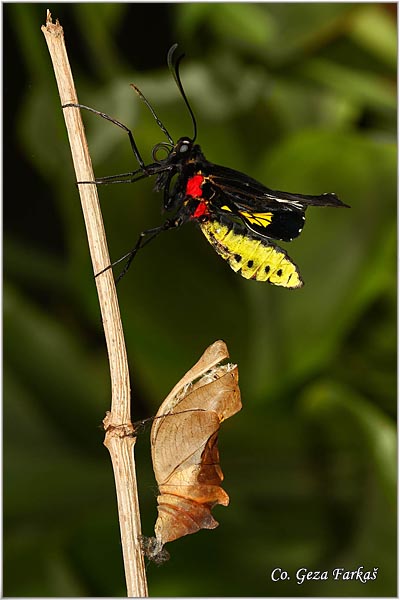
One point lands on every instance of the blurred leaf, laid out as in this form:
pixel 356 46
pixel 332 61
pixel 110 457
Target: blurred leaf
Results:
pixel 302 28
pixel 190 15
pixel 40 126
pixel 26 24
pixel 379 431
pixel 248 23
pixel 236 22
pixel 46 570
pixel 50 359
pixel 374 29
pixel 100 39
pixel 296 105
pixel 62 575
pixel 36 268
pixel 371 89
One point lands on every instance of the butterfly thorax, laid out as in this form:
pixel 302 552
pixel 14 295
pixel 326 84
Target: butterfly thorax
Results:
pixel 180 175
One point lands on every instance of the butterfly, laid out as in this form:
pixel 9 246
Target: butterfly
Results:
pixel 240 217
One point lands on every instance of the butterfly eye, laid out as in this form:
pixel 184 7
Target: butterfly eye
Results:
pixel 184 145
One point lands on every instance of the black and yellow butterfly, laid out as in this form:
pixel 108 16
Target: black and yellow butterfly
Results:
pixel 238 215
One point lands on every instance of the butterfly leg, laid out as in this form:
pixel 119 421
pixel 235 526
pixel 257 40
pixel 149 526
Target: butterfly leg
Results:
pixel 144 238
pixel 134 147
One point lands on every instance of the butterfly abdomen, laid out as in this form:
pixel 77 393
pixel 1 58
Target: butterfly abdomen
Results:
pixel 252 257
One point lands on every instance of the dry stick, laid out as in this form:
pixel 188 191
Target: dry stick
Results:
pixel 117 423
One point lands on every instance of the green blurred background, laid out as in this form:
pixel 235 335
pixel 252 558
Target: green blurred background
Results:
pixel 303 98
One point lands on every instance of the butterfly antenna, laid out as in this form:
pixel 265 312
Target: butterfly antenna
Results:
pixel 174 68
pixel 153 112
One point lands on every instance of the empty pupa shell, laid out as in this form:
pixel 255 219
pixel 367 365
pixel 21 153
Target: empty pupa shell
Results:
pixel 184 445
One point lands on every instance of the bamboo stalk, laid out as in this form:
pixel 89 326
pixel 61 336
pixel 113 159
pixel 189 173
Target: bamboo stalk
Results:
pixel 118 439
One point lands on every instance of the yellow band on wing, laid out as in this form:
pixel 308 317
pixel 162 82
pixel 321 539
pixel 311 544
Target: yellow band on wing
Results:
pixel 261 219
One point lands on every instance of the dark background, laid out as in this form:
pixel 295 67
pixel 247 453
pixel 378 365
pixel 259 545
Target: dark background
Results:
pixel 303 98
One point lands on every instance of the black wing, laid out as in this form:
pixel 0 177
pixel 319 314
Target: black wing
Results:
pixel 274 214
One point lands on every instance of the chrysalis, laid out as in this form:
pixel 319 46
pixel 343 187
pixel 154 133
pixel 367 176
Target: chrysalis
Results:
pixel 184 445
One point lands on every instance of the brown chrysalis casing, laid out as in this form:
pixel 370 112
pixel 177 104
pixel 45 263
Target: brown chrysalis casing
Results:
pixel 184 448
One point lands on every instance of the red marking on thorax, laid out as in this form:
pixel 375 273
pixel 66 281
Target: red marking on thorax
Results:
pixel 201 210
pixel 193 186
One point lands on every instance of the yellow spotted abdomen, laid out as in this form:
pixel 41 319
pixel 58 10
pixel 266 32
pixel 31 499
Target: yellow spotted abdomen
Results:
pixel 253 258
